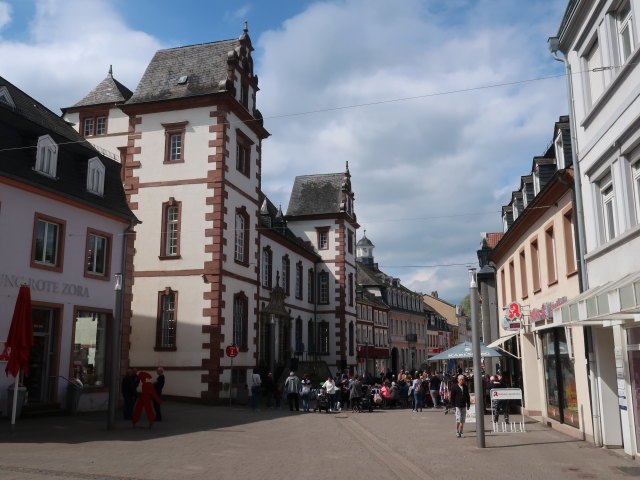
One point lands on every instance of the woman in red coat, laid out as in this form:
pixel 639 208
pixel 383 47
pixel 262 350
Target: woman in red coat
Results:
pixel 144 400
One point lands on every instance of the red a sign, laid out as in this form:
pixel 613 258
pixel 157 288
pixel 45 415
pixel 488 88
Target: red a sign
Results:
pixel 232 351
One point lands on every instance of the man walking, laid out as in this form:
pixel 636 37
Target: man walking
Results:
pixel 434 389
pixel 461 400
pixel 292 387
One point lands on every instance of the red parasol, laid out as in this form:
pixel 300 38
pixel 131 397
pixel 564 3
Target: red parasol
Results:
pixel 20 339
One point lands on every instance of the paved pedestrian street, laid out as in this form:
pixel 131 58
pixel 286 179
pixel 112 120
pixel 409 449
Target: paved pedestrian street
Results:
pixel 204 442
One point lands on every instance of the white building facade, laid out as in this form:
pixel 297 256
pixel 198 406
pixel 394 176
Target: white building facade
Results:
pixel 600 41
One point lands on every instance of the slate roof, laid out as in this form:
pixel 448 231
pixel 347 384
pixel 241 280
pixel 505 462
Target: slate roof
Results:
pixel 108 91
pixel 364 242
pixel 372 276
pixel 20 129
pixel 205 65
pixel 316 194
pixel 271 218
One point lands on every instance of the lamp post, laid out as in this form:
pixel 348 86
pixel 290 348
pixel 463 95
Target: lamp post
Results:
pixel 478 387
pixel 116 327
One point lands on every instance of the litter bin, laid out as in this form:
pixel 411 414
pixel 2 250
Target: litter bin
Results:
pixel 73 397
pixel 22 396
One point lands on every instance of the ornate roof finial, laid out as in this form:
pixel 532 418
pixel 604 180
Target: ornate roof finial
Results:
pixel 111 71
pixel 246 27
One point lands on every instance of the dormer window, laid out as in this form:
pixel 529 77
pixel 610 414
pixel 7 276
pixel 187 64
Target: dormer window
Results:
pixel 559 146
pixel 6 98
pixel 536 182
pixel 95 176
pixel 525 200
pixel 47 156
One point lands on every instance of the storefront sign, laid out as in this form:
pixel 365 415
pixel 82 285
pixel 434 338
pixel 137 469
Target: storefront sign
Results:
pixel 512 319
pixel 546 310
pixel 506 394
pixel 47 286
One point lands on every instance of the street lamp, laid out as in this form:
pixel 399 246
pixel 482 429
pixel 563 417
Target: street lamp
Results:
pixel 477 373
pixel 116 327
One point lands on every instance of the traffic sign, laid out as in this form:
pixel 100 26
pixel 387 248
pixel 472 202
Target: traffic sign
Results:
pixel 232 351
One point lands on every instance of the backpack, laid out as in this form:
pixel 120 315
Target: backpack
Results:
pixel 377 398
pixel 418 387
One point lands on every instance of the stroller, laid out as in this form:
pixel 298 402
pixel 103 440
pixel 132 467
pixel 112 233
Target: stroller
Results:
pixel 321 400
pixel 366 401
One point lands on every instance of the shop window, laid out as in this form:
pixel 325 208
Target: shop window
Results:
pixel 90 347
pixel 560 383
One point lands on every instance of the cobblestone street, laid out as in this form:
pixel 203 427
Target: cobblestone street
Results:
pixel 201 442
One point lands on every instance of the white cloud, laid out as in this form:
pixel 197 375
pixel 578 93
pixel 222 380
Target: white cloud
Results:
pixel 72 43
pixel 239 14
pixel 5 14
pixel 436 156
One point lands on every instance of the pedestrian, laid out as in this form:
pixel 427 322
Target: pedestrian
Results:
pixel 499 406
pixel 434 389
pixel 445 391
pixel 269 386
pixel 256 383
pixel 330 387
pixel 417 394
pixel 461 400
pixel 292 387
pixel 129 393
pixel 147 394
pixel 355 395
pixel 305 392
pixel 346 391
pixel 158 385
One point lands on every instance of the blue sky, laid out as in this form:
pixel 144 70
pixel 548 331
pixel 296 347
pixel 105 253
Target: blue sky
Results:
pixel 429 173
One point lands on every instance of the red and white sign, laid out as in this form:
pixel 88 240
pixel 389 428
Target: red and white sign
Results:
pixel 512 319
pixel 232 351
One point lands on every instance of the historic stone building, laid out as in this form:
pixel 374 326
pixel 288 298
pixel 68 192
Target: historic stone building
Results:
pixel 216 264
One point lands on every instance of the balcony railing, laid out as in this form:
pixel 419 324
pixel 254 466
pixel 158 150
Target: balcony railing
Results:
pixel 412 337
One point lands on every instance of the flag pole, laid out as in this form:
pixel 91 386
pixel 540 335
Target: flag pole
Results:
pixel 15 403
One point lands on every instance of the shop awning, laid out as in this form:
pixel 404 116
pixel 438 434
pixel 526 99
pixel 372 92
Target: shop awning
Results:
pixel 499 342
pixel 612 303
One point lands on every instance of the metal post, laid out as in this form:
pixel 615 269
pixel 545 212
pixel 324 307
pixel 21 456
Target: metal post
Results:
pixel 478 386
pixel 116 327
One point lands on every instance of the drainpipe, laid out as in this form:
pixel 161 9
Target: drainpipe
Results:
pixel 554 48
pixel 116 335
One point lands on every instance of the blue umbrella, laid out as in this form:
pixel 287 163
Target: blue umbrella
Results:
pixel 465 350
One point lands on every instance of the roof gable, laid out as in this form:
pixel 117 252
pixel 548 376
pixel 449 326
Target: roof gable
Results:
pixel 108 91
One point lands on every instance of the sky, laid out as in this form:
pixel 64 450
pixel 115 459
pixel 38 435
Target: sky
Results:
pixel 438 107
